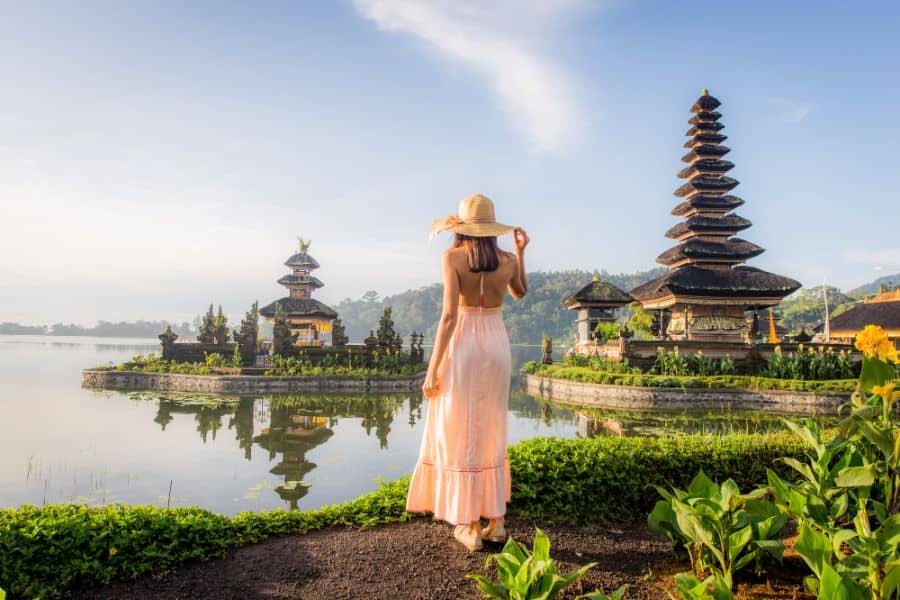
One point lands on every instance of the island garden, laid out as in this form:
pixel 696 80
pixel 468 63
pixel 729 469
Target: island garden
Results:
pixel 301 357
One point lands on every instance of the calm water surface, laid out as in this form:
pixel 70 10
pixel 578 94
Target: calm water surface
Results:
pixel 62 443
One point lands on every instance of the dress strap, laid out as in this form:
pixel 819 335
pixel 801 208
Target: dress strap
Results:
pixel 481 300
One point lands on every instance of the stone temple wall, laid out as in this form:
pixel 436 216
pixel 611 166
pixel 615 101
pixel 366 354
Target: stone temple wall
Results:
pixel 245 384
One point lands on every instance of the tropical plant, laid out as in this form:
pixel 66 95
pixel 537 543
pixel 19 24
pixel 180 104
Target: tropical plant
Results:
pixel 236 360
pixel 853 555
pixel 714 587
pixel 721 529
pixel 214 360
pixel 605 331
pixel 525 574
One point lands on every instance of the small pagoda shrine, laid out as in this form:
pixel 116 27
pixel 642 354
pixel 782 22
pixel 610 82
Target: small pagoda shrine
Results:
pixel 309 319
pixel 707 291
pixel 595 303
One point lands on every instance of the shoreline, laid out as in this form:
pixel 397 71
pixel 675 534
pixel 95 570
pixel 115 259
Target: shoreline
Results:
pixel 244 384
pixel 640 398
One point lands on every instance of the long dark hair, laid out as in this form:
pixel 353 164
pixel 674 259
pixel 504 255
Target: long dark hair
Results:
pixel 481 252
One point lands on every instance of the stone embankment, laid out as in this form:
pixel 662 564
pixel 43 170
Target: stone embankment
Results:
pixel 626 397
pixel 244 384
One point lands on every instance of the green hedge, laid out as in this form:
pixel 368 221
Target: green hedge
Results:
pixel 607 478
pixel 51 551
pixel 751 382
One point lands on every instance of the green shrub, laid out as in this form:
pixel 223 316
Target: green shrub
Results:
pixel 751 382
pixel 609 478
pixel 53 550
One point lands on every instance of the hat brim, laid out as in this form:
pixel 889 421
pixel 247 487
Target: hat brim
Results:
pixel 481 229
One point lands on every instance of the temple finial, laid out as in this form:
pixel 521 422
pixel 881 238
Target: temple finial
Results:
pixel 705 92
pixel 304 244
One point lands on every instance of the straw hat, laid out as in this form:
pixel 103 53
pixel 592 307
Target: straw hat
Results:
pixel 475 218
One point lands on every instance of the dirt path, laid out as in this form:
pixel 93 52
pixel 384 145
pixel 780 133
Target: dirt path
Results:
pixel 414 560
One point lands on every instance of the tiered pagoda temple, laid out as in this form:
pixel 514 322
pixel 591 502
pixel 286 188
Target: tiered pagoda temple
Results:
pixel 595 303
pixel 308 318
pixel 707 291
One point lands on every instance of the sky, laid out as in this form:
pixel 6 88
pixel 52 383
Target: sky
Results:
pixel 159 156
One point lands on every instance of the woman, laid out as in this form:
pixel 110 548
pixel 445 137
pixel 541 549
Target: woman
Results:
pixel 462 473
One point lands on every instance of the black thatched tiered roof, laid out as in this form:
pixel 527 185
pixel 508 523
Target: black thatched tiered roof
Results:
pixel 702 264
pixel 307 280
pixel 597 293
pixel 301 284
pixel 299 307
pixel 301 259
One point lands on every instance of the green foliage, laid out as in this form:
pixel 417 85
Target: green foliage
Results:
pixel 713 587
pixel 152 363
pixel 526 574
pixel 236 360
pixel 600 363
pixel 807 363
pixel 751 382
pixel 215 360
pixel 339 365
pixel 51 551
pixel 605 331
pixel 640 321
pixel 847 501
pixel 675 363
pixel 721 529
pixel 806 308
pixel 606 478
pixel 526 319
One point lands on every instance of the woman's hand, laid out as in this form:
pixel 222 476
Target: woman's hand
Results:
pixel 432 386
pixel 520 238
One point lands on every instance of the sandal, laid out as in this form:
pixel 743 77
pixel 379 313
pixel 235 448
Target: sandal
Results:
pixel 496 534
pixel 473 543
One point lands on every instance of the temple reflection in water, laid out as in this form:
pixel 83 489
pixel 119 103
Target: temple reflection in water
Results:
pixel 288 427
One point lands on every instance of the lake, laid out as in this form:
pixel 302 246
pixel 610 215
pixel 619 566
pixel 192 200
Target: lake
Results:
pixel 63 443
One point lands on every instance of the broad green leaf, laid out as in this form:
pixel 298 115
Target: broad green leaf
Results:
pixel 833 586
pixel 801 468
pixel 890 585
pixel 541 548
pixel 773 548
pixel 662 520
pixel 841 537
pixel 853 477
pixel 814 548
pixel 738 540
pixel 874 372
pixel 702 487
pixel 485 586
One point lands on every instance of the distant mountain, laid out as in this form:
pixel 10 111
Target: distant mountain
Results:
pixel 889 281
pixel 541 311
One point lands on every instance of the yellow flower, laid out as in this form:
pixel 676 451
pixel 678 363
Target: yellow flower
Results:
pixel 873 342
pixel 113 551
pixel 886 391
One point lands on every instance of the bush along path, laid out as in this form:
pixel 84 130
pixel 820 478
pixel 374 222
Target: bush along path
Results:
pixel 844 500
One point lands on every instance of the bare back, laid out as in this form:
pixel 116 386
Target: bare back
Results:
pixel 495 282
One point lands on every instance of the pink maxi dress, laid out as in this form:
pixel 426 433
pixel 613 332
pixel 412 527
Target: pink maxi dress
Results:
pixel 462 473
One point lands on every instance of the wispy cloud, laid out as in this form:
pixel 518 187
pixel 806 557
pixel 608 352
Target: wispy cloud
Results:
pixel 505 42
pixel 788 110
